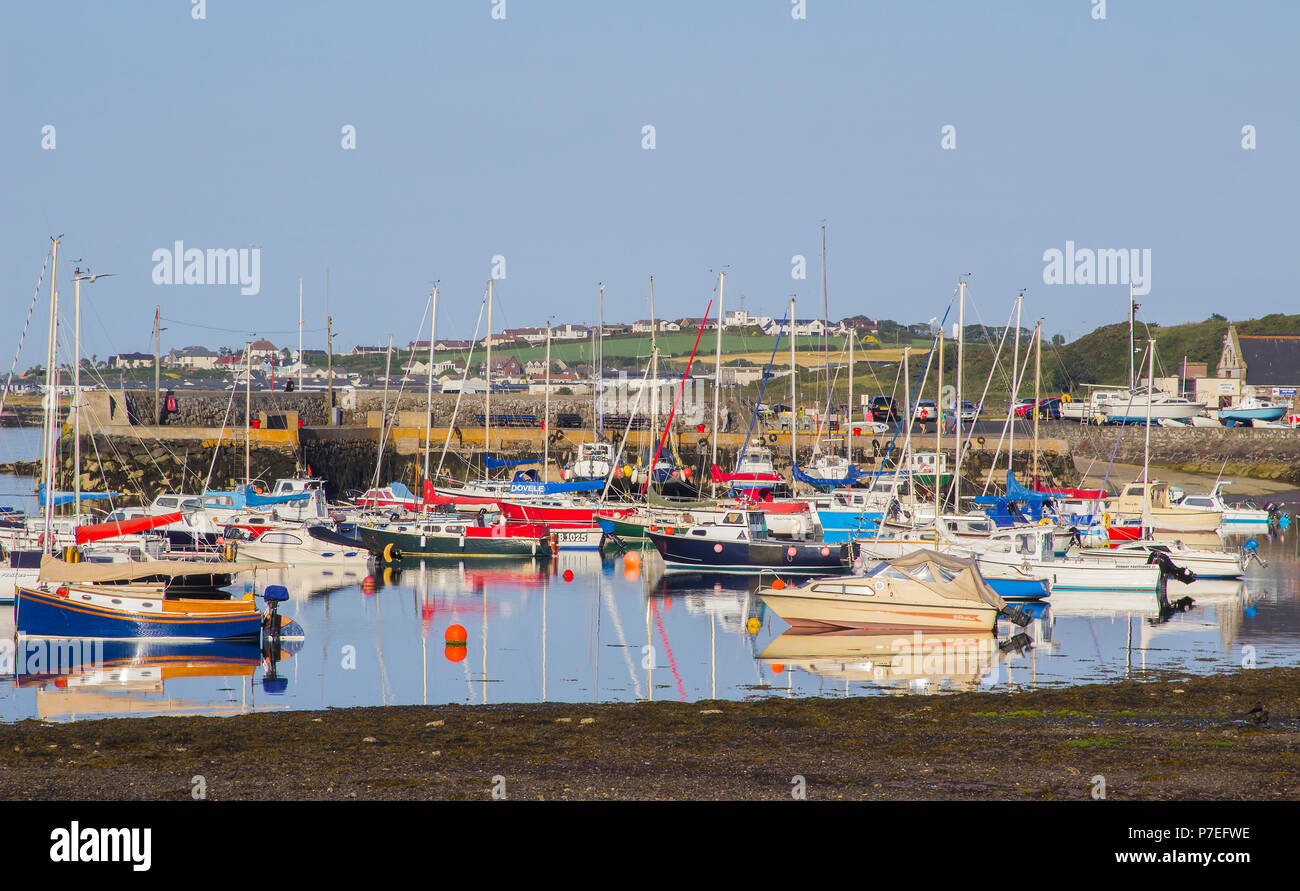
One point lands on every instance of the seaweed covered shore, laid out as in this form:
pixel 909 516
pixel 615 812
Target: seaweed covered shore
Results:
pixel 1232 736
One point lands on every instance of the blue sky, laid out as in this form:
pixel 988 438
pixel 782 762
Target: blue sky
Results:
pixel 478 137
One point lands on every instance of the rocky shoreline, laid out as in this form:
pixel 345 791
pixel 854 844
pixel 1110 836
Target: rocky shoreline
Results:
pixel 1230 736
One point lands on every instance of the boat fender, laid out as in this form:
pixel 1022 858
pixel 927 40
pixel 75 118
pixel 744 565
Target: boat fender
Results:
pixel 980 440
pixel 71 555
pixel 771 437
pixel 228 551
pixel 390 551
pixel 1105 520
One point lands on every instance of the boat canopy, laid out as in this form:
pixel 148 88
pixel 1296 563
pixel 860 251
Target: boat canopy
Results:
pixel 55 570
pixel 61 498
pixel 497 463
pixel 114 528
pixel 955 578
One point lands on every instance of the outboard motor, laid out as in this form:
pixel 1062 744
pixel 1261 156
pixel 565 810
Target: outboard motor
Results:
pixel 1250 551
pixel 1017 645
pixel 1015 614
pixel 274 595
pixel 1168 570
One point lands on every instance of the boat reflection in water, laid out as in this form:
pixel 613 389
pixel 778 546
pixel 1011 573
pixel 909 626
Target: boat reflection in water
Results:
pixel 94 678
pixel 907 661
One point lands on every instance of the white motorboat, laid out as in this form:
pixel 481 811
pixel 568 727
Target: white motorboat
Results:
pixel 1213 502
pixel 1143 403
pixel 925 589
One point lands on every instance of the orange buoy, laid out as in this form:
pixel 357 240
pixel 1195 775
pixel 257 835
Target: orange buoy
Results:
pixel 778 585
pixel 777 667
pixel 455 654
pixel 668 530
pixel 456 634
pixel 568 575
pixel 631 558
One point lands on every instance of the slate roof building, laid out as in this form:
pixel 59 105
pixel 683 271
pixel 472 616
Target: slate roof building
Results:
pixel 1268 365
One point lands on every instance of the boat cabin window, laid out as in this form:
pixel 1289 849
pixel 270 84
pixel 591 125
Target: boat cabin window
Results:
pixel 699 532
pixel 218 501
pixel 456 530
pixel 428 529
pixel 886 571
pixel 281 538
pixel 1198 501
pixel 1025 544
pixel 732 519
pixel 166 502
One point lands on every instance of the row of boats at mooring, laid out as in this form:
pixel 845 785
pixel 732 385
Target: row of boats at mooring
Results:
pixel 886 548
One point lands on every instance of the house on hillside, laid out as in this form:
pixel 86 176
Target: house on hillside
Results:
pixel 193 357
pixel 131 360
pixel 804 327
pixel 861 325
pixel 263 351
pixel 507 366
pixel 1267 365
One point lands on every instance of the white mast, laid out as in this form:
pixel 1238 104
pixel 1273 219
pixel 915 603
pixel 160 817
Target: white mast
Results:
pixel 600 379
pixel 717 373
pixel 1132 311
pixel 1038 368
pixel 1146 445
pixel 546 417
pixel 794 415
pixel 654 369
pixel 428 420
pixel 848 434
pixel 961 351
pixel 487 414
pixel 938 436
pixel 77 276
pixel 248 410
pixel 907 437
pixel 1015 388
pixel 51 405
pixel 300 321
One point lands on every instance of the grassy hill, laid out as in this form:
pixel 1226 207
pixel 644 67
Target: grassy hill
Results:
pixel 1099 357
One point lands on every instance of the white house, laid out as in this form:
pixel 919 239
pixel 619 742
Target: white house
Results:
pixel 804 327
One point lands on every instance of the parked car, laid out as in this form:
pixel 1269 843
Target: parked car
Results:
pixel 925 410
pixel 970 411
pixel 883 410
pixel 1049 409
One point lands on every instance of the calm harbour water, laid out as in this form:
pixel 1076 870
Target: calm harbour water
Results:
pixel 619 633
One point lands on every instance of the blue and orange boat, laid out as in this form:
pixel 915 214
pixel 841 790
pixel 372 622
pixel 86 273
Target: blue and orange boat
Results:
pixel 100 601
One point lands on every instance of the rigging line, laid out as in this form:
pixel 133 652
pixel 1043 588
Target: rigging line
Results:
pixel 964 445
pixel 1007 422
pixel 762 389
pixel 387 424
pixel 242 331
pixel 23 336
pixel 96 375
pixel 1120 435
pixel 460 392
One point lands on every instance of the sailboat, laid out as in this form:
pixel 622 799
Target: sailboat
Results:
pixel 828 470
